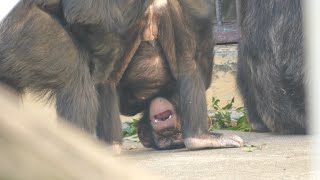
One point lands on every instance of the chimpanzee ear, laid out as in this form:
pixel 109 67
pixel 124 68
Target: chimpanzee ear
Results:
pixel 145 134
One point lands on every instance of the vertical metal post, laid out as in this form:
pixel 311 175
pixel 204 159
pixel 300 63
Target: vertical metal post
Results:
pixel 312 44
pixel 219 12
pixel 238 7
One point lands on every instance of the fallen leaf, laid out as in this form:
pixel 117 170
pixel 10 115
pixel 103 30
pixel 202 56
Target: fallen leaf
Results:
pixel 132 148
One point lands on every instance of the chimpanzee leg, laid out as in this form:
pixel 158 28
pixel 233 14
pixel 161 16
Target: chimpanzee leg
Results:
pixel 31 58
pixel 193 111
pixel 244 83
pixel 108 120
pixel 77 102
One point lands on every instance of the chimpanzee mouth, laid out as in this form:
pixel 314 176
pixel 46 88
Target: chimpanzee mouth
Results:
pixel 166 115
pixel 163 120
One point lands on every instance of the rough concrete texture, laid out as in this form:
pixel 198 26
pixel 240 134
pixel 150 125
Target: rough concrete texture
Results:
pixel 275 157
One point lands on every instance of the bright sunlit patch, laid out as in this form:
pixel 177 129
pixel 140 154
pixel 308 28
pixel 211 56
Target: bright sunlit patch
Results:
pixel 160 3
pixel 6 6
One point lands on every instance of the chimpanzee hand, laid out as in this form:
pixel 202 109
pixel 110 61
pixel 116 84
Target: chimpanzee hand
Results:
pixel 213 140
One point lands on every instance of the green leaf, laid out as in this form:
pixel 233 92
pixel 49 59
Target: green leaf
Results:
pixel 229 105
pixel 131 128
pixel 240 109
pixel 133 138
pixel 215 103
pixel 221 118
pixel 249 148
pixel 242 125
pixel 227 116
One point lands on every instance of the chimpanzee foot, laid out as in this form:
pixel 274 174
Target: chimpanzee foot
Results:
pixel 259 127
pixel 213 140
pixel 117 148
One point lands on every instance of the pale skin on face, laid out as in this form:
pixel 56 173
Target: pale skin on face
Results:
pixel 160 105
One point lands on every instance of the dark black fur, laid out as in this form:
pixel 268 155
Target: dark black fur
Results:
pixel 72 51
pixel 271 65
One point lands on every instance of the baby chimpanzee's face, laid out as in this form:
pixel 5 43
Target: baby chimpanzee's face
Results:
pixel 165 124
pixel 161 128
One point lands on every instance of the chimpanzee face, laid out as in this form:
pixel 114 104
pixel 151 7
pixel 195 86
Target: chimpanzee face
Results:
pixel 165 123
pixel 161 128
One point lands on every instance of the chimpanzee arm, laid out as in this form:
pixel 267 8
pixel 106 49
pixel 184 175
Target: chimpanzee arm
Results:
pixel 200 16
pixel 31 58
pixel 191 87
pixel 193 110
pixel 108 120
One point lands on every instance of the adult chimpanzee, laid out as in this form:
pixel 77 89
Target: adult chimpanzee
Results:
pixel 154 54
pixel 271 65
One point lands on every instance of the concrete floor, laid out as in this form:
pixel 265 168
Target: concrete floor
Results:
pixel 275 157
